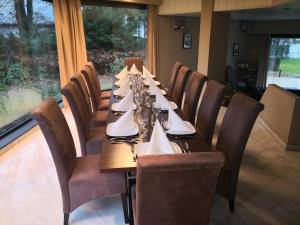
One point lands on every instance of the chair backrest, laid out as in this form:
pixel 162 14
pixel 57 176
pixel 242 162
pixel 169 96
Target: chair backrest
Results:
pixel 176 189
pixel 139 62
pixel 192 94
pixel 79 80
pixel 209 110
pixel 92 67
pixel 80 112
pixel 236 128
pixel 93 85
pixel 182 77
pixel 58 136
pixel 173 77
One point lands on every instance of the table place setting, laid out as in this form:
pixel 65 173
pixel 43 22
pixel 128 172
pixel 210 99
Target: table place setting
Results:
pixel 124 81
pixel 146 73
pixel 122 74
pixel 158 144
pixel 164 102
pixel 123 89
pixel 176 126
pixel 125 104
pixel 134 70
pixel 153 89
pixel 125 126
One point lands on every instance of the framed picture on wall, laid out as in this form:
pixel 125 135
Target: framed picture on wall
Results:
pixel 187 40
pixel 236 49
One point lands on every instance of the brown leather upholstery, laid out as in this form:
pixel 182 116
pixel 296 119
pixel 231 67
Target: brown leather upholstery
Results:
pixel 179 86
pixel 79 108
pixel 173 78
pixel 94 90
pixel 99 118
pixel 192 94
pixel 233 136
pixel 80 178
pixel 176 189
pixel 104 94
pixel 139 62
pixel 209 110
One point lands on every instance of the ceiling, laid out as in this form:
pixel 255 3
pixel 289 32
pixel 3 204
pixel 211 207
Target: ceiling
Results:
pixel 289 11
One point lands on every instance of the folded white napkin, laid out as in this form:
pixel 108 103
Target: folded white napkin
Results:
pixel 123 81
pixel 163 102
pixel 146 73
pixel 124 126
pixel 159 143
pixel 176 124
pixel 123 89
pixel 134 70
pixel 123 73
pixel 125 104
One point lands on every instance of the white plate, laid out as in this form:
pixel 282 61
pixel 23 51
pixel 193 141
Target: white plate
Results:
pixel 115 105
pixel 163 92
pixel 178 132
pixel 173 105
pixel 110 131
pixel 140 149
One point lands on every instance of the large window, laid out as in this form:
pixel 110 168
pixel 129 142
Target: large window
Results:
pixel 284 62
pixel 113 33
pixel 28 59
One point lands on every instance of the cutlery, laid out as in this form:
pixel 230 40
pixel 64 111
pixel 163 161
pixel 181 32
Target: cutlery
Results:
pixel 186 147
pixel 118 113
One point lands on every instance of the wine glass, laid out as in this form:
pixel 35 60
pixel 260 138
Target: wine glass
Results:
pixel 156 109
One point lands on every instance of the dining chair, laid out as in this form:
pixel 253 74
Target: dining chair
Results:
pixel 91 139
pixel 209 109
pixel 99 118
pixel 192 94
pixel 94 89
pixel 138 61
pixel 234 132
pixel 104 94
pixel 179 86
pixel 79 177
pixel 176 189
pixel 173 77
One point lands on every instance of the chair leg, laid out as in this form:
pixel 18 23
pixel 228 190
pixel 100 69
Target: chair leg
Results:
pixel 125 207
pixel 66 218
pixel 231 205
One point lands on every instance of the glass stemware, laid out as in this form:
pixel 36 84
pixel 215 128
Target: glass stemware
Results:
pixel 156 109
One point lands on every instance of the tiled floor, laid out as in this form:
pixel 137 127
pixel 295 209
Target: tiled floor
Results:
pixel 268 189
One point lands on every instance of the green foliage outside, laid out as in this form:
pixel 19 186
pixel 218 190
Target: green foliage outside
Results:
pixel 290 66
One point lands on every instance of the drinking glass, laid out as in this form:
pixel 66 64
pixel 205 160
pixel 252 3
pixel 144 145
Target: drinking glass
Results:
pixel 156 108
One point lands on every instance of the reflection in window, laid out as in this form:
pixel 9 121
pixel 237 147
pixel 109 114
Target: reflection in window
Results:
pixel 284 63
pixel 113 33
pixel 28 59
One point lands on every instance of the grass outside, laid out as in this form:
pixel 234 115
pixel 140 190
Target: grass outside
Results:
pixel 290 67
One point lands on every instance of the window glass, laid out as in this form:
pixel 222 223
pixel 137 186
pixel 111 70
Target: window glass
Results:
pixel 284 63
pixel 28 59
pixel 113 33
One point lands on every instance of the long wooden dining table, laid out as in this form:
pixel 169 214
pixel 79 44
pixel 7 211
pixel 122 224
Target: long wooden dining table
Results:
pixel 119 157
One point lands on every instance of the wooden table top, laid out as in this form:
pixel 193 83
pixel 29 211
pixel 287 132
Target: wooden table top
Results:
pixel 119 157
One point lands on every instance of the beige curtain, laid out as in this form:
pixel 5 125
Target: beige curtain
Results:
pixel 152 38
pixel 69 37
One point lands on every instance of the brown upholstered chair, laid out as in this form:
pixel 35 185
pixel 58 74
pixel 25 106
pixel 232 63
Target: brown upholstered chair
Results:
pixel 99 118
pixel 173 78
pixel 176 189
pixel 79 178
pixel 90 138
pixel 209 110
pixel 233 136
pixel 94 88
pixel 104 94
pixel 179 86
pixel 192 94
pixel 139 62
